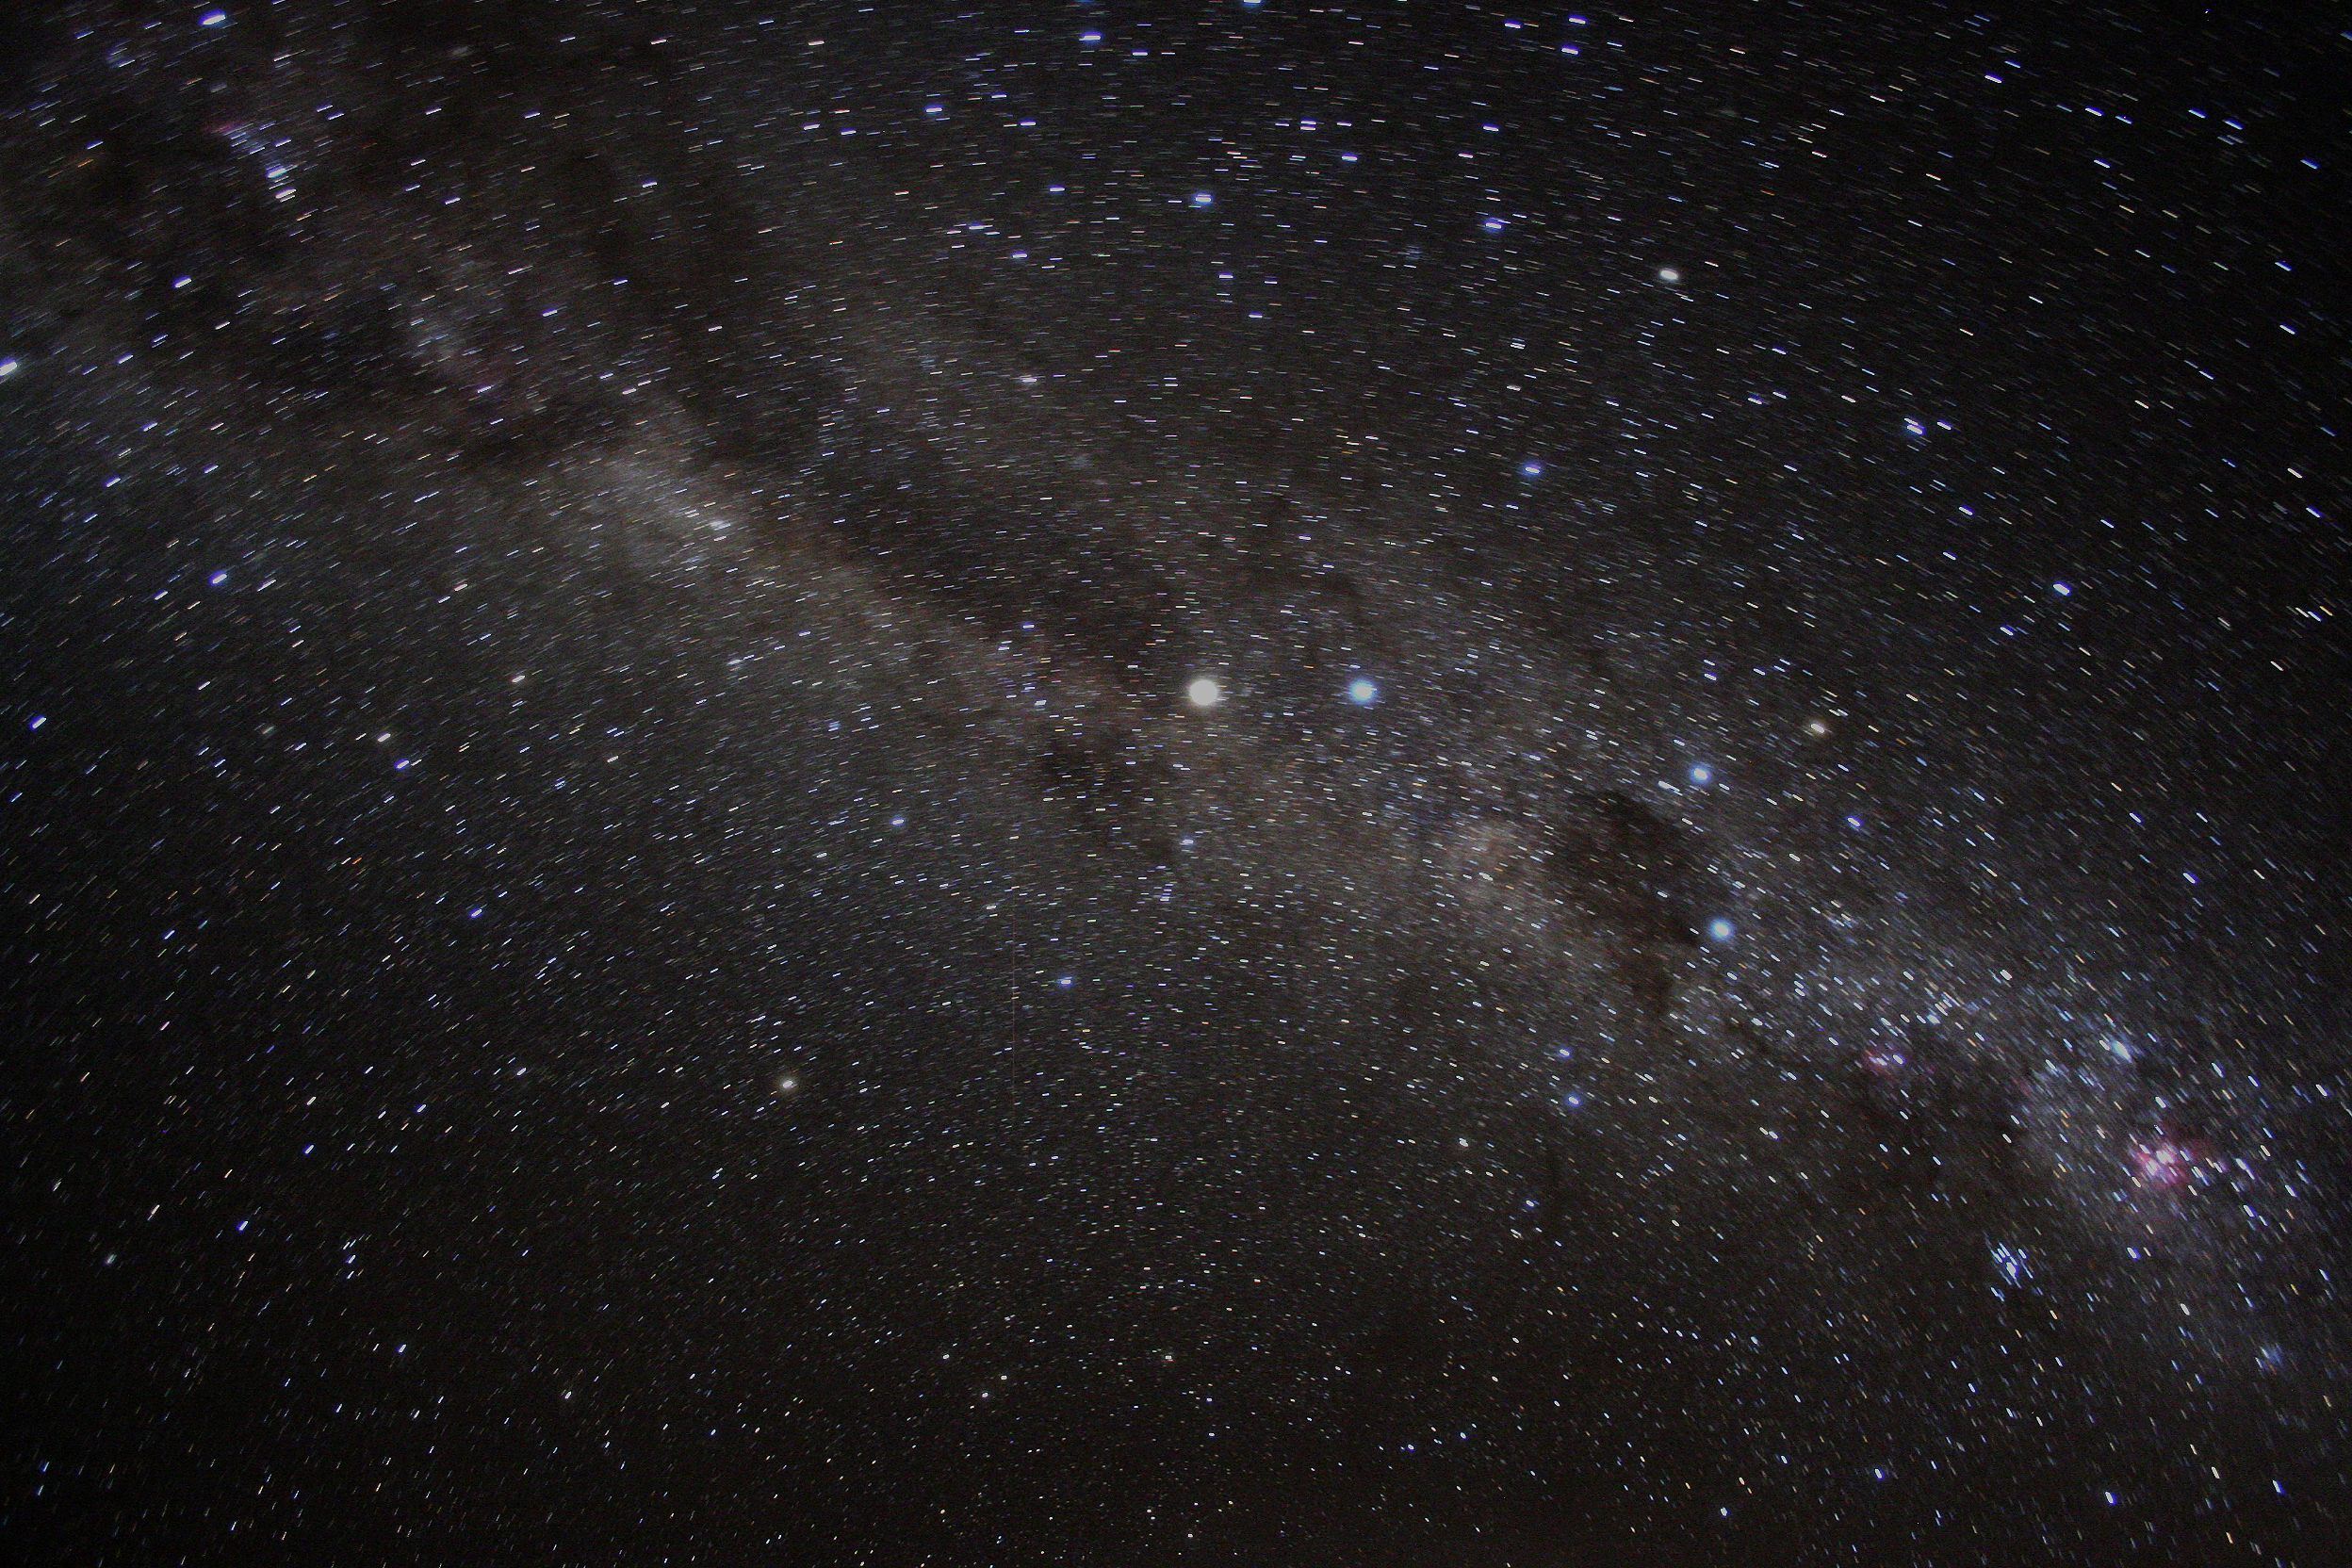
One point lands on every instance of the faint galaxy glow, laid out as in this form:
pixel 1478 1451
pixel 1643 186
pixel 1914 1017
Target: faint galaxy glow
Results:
pixel 880 784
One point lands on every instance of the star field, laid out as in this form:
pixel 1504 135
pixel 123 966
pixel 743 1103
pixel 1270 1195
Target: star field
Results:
pixel 1249 783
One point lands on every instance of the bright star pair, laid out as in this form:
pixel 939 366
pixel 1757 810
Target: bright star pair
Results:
pixel 1206 691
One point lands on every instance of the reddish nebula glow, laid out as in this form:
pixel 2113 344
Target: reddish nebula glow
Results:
pixel 2165 1163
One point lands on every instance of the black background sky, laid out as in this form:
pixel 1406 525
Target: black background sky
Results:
pixel 1082 783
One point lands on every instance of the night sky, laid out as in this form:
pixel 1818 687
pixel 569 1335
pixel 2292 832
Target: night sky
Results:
pixel 1097 784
